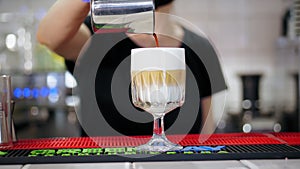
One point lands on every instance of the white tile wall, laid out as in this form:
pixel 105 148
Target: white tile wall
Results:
pixel 245 33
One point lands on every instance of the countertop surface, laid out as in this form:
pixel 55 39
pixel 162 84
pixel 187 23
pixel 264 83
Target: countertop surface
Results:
pixel 227 164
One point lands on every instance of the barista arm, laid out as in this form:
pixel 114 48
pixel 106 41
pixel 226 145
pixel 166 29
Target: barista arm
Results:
pixel 62 31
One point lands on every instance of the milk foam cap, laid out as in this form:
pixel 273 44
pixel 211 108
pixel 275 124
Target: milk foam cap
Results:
pixel 162 58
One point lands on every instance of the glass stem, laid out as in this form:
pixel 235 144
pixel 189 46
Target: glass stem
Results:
pixel 158 126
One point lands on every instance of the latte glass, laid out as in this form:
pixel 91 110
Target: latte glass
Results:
pixel 158 87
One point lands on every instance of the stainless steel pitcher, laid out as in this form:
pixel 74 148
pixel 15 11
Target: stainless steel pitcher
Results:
pixel 7 133
pixel 131 16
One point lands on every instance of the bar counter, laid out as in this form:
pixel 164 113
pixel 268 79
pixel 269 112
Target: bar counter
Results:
pixel 231 150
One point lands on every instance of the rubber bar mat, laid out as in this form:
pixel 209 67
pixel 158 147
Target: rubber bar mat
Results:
pixel 117 141
pixel 297 147
pixel 289 138
pixel 129 154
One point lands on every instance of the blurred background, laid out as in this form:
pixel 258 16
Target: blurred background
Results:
pixel 257 42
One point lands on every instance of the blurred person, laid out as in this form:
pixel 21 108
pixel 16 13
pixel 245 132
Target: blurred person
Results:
pixel 67 27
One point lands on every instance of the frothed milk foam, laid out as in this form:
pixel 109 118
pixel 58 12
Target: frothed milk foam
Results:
pixel 157 58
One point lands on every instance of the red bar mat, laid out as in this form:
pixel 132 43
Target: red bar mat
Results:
pixel 292 138
pixel 80 142
pixel 121 141
pixel 229 139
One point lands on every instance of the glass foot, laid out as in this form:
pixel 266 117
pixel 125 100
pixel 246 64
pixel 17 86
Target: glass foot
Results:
pixel 159 144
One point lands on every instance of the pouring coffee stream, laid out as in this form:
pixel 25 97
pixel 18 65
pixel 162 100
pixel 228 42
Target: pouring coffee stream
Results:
pixel 156 39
